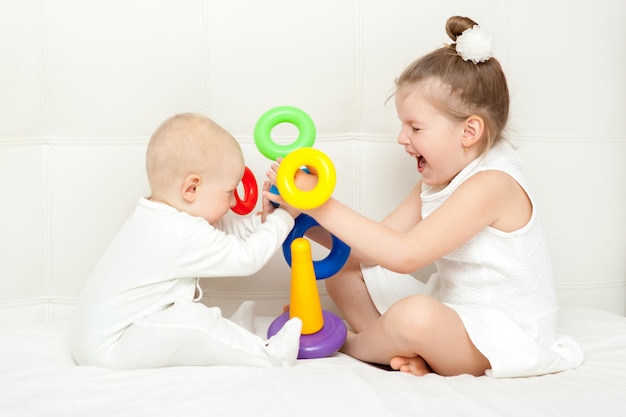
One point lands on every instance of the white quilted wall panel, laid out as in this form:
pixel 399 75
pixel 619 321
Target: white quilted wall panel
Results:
pixel 568 88
pixel 84 84
pixel 116 69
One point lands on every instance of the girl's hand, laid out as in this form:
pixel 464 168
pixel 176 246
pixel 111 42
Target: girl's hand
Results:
pixel 305 179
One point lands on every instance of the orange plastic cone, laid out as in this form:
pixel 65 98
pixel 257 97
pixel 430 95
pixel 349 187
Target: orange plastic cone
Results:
pixel 305 299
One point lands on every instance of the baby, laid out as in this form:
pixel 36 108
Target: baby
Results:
pixel 139 307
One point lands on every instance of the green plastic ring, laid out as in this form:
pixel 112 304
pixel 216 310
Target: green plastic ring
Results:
pixel 283 114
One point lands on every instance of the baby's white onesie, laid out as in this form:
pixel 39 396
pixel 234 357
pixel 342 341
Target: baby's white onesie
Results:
pixel 139 306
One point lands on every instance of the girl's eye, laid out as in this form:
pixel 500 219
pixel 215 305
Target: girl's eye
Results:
pixel 415 129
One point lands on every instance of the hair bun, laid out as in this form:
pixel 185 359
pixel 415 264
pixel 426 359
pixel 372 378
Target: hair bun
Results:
pixel 456 25
pixel 472 43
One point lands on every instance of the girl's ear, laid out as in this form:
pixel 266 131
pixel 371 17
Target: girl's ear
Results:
pixel 473 129
pixel 190 187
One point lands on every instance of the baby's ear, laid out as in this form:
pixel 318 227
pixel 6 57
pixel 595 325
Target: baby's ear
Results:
pixel 190 187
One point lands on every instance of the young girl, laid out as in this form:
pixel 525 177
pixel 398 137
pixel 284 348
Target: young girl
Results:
pixel 491 308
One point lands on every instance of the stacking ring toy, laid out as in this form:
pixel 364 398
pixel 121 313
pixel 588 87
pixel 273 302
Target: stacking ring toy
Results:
pixel 323 268
pixel 250 191
pixel 326 178
pixel 283 114
pixel 316 345
pixel 323 333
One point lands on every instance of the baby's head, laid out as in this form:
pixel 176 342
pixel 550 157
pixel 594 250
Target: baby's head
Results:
pixel 194 165
pixel 461 88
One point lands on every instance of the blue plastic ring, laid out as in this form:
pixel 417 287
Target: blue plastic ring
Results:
pixel 323 268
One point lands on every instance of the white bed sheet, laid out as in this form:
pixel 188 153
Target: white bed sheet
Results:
pixel 39 378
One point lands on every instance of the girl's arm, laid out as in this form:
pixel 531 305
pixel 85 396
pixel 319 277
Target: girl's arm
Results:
pixel 484 199
pixel 408 213
pixel 402 219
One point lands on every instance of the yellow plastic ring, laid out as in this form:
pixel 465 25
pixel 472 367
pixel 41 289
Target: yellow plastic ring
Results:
pixel 312 159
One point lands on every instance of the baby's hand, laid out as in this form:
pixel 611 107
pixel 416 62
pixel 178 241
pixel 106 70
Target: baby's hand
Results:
pixel 269 198
pixel 266 206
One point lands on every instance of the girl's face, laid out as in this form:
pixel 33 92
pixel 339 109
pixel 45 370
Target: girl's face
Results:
pixel 430 137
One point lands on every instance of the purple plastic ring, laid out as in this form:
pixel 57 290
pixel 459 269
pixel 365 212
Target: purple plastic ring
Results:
pixel 317 345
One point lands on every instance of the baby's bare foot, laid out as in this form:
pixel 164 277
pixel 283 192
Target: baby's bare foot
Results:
pixel 415 366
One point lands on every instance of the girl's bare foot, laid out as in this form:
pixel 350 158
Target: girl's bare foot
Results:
pixel 415 366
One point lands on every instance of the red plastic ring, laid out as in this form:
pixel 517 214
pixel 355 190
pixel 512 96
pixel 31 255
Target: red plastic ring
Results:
pixel 251 194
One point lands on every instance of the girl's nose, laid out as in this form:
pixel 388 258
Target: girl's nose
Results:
pixel 402 138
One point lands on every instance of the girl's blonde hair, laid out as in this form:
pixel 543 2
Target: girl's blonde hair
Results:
pixel 468 89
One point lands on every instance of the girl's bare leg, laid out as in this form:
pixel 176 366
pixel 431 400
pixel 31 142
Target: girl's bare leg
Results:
pixel 349 293
pixel 418 334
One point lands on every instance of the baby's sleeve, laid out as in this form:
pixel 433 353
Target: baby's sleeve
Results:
pixel 212 252
pixel 242 227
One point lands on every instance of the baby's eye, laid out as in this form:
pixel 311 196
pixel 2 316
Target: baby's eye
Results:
pixel 415 129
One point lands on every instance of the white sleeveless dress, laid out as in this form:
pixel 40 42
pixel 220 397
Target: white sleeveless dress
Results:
pixel 499 283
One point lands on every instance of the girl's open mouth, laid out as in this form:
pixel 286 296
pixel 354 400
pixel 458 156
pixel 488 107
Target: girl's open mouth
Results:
pixel 421 163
